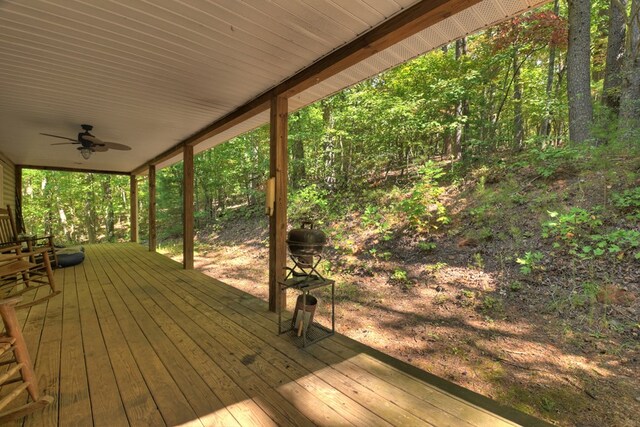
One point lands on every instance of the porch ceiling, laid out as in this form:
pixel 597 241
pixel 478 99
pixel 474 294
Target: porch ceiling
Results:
pixel 151 74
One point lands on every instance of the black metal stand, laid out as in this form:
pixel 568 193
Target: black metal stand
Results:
pixel 304 269
pixel 314 332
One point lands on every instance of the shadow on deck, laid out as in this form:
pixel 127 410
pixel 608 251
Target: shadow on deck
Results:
pixel 136 340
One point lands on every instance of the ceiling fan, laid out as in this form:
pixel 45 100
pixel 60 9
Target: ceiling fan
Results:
pixel 89 143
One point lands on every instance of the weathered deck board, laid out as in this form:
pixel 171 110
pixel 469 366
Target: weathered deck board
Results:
pixel 135 395
pixel 390 403
pixel 136 340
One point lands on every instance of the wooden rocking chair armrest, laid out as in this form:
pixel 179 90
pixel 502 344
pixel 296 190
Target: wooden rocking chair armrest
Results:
pixel 35 239
pixel 11 301
pixel 24 239
pixel 36 251
pixel 6 247
pixel 4 257
pixel 10 258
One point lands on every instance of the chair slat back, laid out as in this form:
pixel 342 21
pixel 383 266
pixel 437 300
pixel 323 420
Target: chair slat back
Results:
pixel 7 227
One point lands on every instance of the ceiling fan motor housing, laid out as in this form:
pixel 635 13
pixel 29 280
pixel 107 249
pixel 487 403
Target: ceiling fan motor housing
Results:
pixel 86 143
pixel 89 143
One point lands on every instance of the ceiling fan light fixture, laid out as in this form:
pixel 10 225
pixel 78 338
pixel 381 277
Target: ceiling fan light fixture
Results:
pixel 86 152
pixel 89 143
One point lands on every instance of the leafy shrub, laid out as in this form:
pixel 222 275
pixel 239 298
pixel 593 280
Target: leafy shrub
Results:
pixel 374 217
pixel 615 242
pixel 371 216
pixel 551 160
pixel 571 226
pixel 530 262
pixel 427 246
pixel 422 208
pixel 628 201
pixel 308 203
pixel 580 231
pixel 400 276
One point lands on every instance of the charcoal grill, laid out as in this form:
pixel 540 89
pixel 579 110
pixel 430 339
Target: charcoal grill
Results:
pixel 305 250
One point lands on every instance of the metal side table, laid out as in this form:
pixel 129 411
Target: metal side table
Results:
pixel 314 332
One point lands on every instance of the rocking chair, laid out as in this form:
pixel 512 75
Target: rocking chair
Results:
pixel 19 368
pixel 10 233
pixel 19 274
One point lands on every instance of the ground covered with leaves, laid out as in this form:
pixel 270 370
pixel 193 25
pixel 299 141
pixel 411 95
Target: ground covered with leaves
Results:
pixel 518 281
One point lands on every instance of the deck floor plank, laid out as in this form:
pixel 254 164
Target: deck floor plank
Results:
pixel 109 409
pixel 200 395
pixel 173 405
pixel 75 406
pixel 397 414
pixel 47 356
pixel 355 412
pixel 32 321
pixel 225 356
pixel 135 395
pixel 246 360
pixel 455 407
pixel 136 340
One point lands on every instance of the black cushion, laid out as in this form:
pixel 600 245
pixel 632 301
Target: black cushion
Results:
pixel 69 259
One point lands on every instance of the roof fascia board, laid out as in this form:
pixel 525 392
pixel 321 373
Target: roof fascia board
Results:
pixel 63 169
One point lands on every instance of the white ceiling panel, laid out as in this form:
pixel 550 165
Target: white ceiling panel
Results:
pixel 473 20
pixel 150 73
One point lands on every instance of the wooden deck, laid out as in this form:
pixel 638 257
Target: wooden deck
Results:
pixel 136 340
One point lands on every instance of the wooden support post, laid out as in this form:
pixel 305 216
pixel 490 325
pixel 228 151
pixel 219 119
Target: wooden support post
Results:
pixel 17 208
pixel 134 207
pixel 278 221
pixel 152 208
pixel 18 184
pixel 187 207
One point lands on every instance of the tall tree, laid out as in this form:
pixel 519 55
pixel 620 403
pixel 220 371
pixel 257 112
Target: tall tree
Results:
pixel 545 129
pixel 296 134
pixel 579 71
pixel 522 38
pixel 109 217
pixel 630 96
pixel 329 145
pixel 518 125
pixel 462 109
pixel 615 51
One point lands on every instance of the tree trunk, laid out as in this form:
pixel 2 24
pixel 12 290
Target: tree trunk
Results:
pixel 462 109
pixel 615 53
pixel 578 71
pixel 545 129
pixel 518 127
pixel 90 211
pixel 110 220
pixel 630 97
pixel 329 148
pixel 447 143
pixel 298 169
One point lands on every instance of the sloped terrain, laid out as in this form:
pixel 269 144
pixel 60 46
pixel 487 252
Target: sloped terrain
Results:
pixel 527 291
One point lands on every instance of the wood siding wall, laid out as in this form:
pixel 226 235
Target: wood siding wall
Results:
pixel 8 181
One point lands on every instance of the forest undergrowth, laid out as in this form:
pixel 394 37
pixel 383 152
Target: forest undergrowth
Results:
pixel 517 278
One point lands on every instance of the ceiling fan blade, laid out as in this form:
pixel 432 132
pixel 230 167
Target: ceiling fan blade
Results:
pixel 64 143
pixel 58 136
pixel 116 146
pixel 101 148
